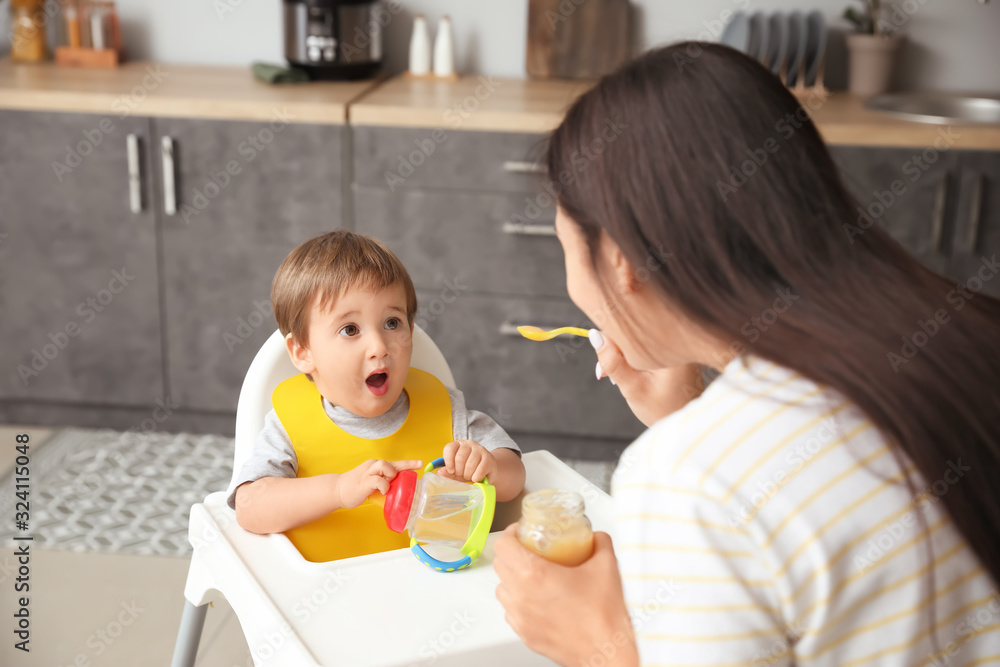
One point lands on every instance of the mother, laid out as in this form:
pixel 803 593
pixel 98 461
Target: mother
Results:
pixel 830 499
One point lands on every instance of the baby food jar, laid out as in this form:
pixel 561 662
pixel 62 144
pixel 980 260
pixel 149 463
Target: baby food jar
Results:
pixel 554 526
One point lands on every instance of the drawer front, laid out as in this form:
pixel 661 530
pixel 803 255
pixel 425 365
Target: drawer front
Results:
pixel 525 386
pixel 904 193
pixel 394 158
pixel 478 241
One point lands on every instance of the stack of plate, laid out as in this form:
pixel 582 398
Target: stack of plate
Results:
pixel 791 45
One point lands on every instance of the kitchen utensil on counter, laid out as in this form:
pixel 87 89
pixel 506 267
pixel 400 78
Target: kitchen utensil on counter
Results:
pixel 798 36
pixel 779 42
pixel 89 35
pixel 737 32
pixel 334 39
pixel 444 49
pixel 574 40
pixel 760 37
pixel 539 334
pixel 816 50
pixel 420 47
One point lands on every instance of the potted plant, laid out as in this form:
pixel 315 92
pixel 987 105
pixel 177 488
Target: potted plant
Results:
pixel 872 49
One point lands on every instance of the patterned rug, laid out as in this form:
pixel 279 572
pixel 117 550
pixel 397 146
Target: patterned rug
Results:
pixel 108 491
pixel 128 493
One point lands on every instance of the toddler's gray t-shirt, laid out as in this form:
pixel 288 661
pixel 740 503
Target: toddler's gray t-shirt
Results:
pixel 274 456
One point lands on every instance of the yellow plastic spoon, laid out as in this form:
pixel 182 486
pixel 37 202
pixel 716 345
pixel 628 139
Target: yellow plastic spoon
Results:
pixel 537 333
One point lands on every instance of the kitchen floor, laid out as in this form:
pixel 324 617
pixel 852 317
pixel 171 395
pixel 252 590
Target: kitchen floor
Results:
pixel 104 610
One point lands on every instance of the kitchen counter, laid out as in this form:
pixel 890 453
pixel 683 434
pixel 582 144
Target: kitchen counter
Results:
pixel 158 89
pixel 512 105
pixel 472 103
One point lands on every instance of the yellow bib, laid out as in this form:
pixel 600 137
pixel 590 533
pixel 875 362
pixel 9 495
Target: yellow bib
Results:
pixel 323 447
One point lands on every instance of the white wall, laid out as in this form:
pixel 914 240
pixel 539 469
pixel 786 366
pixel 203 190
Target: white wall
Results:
pixel 954 44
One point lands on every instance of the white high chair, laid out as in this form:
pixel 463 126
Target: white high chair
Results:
pixel 383 609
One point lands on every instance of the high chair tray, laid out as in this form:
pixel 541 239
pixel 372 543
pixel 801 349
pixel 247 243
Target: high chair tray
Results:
pixel 379 610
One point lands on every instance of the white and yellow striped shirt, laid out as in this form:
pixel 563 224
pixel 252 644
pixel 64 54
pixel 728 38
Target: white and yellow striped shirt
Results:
pixel 766 524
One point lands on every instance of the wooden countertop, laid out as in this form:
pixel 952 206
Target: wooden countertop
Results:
pixel 843 119
pixel 471 103
pixel 534 106
pixel 158 89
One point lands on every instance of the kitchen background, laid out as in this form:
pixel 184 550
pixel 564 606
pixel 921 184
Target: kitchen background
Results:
pixel 137 412
pixel 950 42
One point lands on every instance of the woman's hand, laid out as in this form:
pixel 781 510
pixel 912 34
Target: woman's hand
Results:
pixel 355 485
pixel 651 395
pixel 571 615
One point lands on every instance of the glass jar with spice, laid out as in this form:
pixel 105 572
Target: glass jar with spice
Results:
pixel 28 42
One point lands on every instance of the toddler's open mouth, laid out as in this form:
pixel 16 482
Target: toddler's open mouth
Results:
pixel 378 382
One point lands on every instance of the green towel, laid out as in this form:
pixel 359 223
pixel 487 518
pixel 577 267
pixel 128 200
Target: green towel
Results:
pixel 275 74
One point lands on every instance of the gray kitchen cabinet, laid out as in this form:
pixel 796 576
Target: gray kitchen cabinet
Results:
pixel 526 386
pixel 468 214
pixel 471 240
pixel 245 194
pixel 404 157
pixel 976 242
pixel 78 262
pixel 910 192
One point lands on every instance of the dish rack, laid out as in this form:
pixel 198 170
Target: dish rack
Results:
pixel 791 45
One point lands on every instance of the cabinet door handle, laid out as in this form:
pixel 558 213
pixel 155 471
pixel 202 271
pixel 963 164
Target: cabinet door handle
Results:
pixel 519 229
pixel 975 215
pixel 169 194
pixel 937 218
pixel 524 167
pixel 134 173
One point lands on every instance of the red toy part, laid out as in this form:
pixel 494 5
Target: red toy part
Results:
pixel 399 500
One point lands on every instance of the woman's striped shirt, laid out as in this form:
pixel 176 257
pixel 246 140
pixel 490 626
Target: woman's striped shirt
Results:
pixel 767 523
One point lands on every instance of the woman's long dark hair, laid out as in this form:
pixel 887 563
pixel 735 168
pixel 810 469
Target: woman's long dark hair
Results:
pixel 698 152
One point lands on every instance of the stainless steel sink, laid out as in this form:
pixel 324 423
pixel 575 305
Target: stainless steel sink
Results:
pixel 939 108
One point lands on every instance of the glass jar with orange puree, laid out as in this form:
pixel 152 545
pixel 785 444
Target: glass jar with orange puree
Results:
pixel 554 526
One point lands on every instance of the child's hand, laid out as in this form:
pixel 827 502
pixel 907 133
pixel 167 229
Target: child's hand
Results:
pixel 468 461
pixel 354 486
